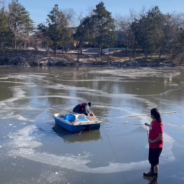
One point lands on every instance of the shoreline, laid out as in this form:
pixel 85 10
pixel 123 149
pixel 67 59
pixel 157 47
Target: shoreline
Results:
pixel 100 64
pixel 94 65
pixel 40 59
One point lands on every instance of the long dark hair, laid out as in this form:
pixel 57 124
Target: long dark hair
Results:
pixel 156 115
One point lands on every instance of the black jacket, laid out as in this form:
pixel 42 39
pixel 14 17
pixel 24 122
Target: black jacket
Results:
pixel 81 109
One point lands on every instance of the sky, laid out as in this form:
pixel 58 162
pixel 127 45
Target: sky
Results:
pixel 39 9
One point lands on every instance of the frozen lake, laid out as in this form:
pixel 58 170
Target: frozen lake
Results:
pixel 32 152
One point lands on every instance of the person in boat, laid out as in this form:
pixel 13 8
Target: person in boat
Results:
pixel 83 109
pixel 155 144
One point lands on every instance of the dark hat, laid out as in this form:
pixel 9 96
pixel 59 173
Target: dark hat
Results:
pixel 89 104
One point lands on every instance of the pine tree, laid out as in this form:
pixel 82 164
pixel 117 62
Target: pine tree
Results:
pixel 6 35
pixel 104 26
pixel 56 30
pixel 149 31
pixel 85 31
pixel 19 21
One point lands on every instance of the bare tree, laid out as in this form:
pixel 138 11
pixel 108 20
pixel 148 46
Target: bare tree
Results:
pixel 174 22
pixel 70 15
pixel 123 25
pixel 2 7
pixel 90 11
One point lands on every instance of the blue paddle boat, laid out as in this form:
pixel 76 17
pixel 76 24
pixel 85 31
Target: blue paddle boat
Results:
pixel 77 122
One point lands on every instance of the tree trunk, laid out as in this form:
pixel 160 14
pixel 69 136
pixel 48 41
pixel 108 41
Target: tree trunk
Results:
pixel 146 56
pixel 48 51
pixel 80 49
pixel 80 44
pixel 78 57
pixel 134 55
pixel 15 46
pixel 55 52
pixel 100 50
pixel 6 53
pixel 15 43
pixel 25 44
pixel 126 49
pixel 160 55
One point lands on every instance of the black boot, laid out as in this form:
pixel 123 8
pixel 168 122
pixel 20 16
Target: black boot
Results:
pixel 149 174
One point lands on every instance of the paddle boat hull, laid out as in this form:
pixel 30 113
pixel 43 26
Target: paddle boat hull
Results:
pixel 77 124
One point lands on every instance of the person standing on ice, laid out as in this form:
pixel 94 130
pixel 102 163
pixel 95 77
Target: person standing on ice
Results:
pixel 83 109
pixel 155 145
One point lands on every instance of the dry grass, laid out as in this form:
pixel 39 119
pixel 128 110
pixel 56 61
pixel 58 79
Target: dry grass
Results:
pixel 139 57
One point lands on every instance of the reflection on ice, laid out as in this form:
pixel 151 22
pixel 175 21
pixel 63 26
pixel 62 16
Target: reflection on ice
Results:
pixel 138 73
pixel 26 140
pixel 88 136
pixel 44 122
